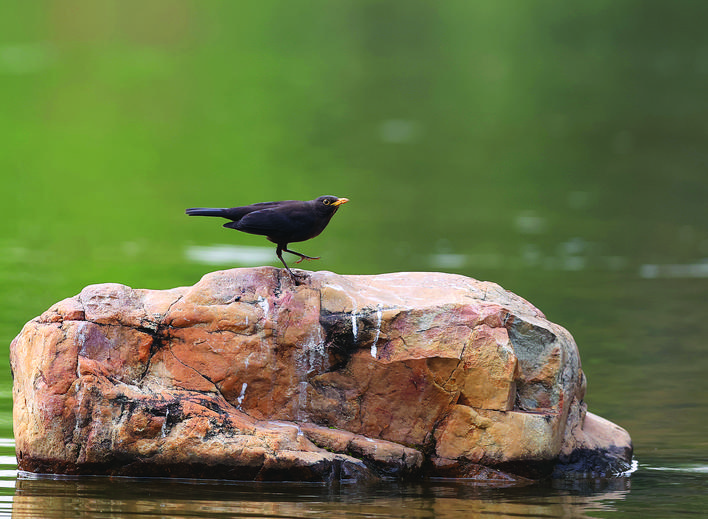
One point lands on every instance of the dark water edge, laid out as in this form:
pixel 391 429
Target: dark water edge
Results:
pixel 118 497
pixel 650 491
pixel 189 499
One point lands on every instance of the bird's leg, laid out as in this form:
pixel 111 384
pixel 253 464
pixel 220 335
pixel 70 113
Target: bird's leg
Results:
pixel 302 256
pixel 279 252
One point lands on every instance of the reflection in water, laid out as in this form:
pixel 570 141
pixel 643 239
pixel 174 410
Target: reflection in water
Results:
pixel 231 254
pixel 688 469
pixel 118 497
pixel 689 270
pixel 529 222
pixel 399 130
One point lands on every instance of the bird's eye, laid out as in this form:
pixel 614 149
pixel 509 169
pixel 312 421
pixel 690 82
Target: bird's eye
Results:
pixel 326 201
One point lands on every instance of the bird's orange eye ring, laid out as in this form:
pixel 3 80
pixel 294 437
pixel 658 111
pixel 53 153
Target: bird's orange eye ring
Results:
pixel 326 201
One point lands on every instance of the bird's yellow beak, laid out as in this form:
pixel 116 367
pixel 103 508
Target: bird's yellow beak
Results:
pixel 340 201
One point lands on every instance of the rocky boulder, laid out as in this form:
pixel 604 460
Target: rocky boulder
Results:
pixel 248 376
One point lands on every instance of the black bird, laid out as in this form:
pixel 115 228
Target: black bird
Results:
pixel 281 222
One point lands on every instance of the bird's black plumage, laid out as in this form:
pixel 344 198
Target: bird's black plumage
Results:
pixel 281 222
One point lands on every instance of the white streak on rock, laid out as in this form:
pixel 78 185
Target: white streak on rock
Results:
pixel 163 429
pixel 262 302
pixel 301 401
pixel 81 341
pixel 315 351
pixel 355 327
pixel 242 395
pixel 379 317
pixel 355 317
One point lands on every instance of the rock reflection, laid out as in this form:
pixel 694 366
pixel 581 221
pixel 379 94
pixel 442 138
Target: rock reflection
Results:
pixel 120 497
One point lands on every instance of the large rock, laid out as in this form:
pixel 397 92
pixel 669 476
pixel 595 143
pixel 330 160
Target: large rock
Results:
pixel 246 376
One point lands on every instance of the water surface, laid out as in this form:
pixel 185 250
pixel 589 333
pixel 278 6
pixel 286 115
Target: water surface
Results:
pixel 557 149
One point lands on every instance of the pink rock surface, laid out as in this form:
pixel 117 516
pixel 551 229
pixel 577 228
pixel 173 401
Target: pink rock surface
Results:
pixel 247 376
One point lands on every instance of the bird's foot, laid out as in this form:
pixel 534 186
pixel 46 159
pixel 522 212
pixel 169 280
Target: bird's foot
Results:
pixel 303 257
pixel 293 277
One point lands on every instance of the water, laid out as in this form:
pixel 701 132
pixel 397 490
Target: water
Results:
pixel 559 150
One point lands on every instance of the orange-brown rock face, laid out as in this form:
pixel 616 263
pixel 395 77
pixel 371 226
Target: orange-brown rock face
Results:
pixel 246 376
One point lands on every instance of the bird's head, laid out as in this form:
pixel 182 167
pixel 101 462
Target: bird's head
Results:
pixel 329 203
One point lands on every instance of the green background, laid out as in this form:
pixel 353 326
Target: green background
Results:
pixel 557 148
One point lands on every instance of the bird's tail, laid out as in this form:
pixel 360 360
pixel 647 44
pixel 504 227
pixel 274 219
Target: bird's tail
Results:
pixel 204 211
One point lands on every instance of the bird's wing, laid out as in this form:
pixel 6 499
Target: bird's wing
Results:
pixel 271 221
pixel 236 213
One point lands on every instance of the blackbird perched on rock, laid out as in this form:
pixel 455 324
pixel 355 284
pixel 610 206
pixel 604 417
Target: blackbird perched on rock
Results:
pixel 281 222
